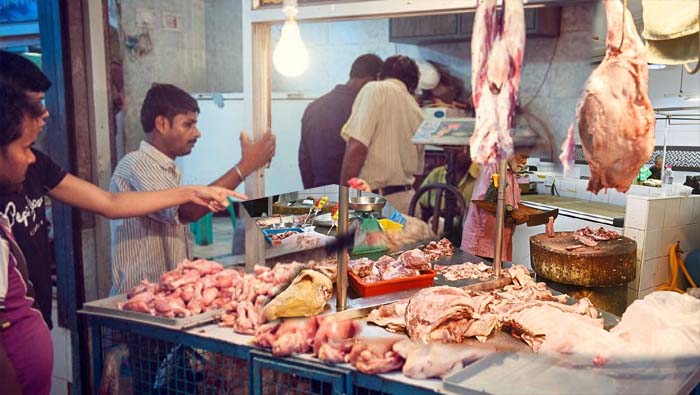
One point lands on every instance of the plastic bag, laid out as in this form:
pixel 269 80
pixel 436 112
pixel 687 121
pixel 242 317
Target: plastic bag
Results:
pixel 644 174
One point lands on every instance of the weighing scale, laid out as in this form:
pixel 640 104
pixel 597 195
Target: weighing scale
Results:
pixel 372 245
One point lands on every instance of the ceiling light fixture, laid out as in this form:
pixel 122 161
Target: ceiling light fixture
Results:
pixel 655 66
pixel 290 56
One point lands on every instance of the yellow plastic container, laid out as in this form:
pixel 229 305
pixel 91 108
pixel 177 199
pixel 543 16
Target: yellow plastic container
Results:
pixel 389 226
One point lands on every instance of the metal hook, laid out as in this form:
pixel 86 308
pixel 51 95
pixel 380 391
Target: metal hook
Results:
pixel 678 247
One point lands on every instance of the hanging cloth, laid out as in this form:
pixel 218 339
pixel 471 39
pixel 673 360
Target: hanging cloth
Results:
pixel 671 31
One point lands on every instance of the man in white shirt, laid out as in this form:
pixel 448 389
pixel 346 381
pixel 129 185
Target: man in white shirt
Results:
pixel 384 118
pixel 145 247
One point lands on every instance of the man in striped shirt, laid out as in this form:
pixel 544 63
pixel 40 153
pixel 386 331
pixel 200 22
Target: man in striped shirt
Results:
pixel 145 247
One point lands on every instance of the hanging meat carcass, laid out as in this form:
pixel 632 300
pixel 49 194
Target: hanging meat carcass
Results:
pixel 498 46
pixel 615 116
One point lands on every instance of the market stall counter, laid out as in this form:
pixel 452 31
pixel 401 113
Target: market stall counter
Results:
pixel 213 358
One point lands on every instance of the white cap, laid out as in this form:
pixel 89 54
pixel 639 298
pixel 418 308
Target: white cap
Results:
pixel 429 76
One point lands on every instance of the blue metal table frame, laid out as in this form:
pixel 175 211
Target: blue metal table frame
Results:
pixel 327 379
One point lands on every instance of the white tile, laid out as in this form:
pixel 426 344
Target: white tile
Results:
pixel 670 237
pixel 655 191
pixel 636 213
pixel 672 213
pixel 60 349
pixel 581 192
pixel 616 198
pixel 655 215
pixel 689 237
pixel 541 189
pixel 655 244
pixel 686 211
pixel 696 208
pixel 655 272
pixel 568 186
pixel 638 190
pixel 638 236
pixel 59 386
pixel 646 292
pixel 601 197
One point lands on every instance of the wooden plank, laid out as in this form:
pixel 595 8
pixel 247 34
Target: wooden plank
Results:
pixel 381 9
pixel 101 131
pixel 257 66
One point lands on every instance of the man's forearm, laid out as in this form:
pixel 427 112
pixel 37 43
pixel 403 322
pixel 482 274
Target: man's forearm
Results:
pixel 84 195
pixel 353 160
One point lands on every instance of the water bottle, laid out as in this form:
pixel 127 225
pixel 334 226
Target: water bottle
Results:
pixel 667 181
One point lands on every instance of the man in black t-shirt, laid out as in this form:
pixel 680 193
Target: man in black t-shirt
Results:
pixel 26 212
pixel 24 204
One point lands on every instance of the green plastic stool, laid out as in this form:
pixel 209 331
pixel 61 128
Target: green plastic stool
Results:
pixel 203 230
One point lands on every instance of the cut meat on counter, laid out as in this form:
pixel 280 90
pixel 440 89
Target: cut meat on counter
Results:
pixel 410 263
pixel 424 361
pixel 449 315
pixel 615 117
pixel 390 268
pixel 438 249
pixel 533 321
pixel 288 337
pixel 390 316
pixel 376 355
pixel 498 45
pixel 466 270
pixel 362 267
pixel 663 324
pixel 591 237
pixel 335 338
pixel 415 259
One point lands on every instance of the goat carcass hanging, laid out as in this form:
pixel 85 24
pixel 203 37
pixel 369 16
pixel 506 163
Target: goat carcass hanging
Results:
pixel 498 45
pixel 615 116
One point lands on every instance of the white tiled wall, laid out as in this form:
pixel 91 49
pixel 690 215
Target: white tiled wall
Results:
pixel 576 188
pixel 656 224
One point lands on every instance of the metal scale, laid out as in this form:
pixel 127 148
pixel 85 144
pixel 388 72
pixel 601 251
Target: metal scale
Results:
pixel 368 207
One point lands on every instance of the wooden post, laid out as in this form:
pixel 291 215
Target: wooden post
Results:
pixel 257 64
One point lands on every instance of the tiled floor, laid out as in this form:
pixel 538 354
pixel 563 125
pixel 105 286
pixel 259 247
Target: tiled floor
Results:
pixel 223 239
pixel 62 371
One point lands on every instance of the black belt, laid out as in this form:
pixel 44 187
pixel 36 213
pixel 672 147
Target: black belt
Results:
pixel 392 189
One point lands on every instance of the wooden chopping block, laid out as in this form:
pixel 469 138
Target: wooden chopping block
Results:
pixel 610 263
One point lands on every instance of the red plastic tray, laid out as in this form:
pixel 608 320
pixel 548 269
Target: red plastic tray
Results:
pixel 425 279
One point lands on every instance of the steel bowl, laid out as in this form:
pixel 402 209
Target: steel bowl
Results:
pixel 367 203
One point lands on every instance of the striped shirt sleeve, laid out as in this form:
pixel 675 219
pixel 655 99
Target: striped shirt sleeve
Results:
pixel 143 175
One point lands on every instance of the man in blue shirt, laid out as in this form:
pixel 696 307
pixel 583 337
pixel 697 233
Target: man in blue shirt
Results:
pixel 321 148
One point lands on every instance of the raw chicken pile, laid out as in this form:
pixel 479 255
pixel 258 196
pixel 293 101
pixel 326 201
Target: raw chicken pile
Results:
pixel 331 340
pixel 410 263
pixel 199 286
pixel 192 288
pixel 253 291
pixel 466 270
pixel 591 237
